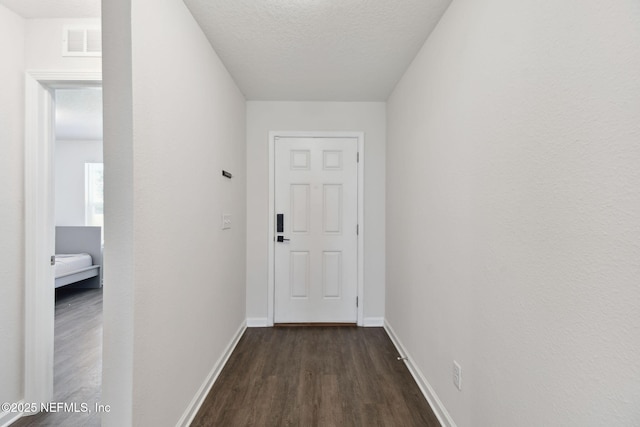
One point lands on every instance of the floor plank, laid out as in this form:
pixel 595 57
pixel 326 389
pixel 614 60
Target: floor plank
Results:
pixel 77 359
pixel 315 376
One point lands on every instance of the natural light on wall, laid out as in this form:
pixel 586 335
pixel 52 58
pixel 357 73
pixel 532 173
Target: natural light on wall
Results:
pixel 93 195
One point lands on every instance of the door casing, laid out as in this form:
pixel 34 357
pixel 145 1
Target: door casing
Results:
pixel 39 225
pixel 271 232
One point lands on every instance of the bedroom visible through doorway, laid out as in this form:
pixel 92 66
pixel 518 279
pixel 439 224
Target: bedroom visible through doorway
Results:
pixel 78 157
pixel 79 236
pixel 63 133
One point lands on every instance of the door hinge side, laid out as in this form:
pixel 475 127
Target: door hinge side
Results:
pixel 358 157
pixel 357 229
pixel 356 301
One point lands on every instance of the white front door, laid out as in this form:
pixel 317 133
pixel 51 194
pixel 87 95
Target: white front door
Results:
pixel 316 209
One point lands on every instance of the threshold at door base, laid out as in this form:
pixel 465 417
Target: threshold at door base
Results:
pixel 311 324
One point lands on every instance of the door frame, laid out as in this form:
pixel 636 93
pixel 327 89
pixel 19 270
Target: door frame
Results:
pixel 273 136
pixel 39 229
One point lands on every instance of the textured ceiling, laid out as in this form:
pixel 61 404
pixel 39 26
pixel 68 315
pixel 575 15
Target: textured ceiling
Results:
pixel 311 50
pixel 338 50
pixel 78 114
pixel 54 8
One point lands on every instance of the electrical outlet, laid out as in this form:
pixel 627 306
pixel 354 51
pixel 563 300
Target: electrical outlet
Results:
pixel 457 375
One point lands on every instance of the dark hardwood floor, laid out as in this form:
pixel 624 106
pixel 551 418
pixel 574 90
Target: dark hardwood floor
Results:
pixel 77 358
pixel 286 376
pixel 315 376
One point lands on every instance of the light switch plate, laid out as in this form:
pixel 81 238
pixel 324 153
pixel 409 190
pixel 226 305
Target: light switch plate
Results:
pixel 457 375
pixel 226 221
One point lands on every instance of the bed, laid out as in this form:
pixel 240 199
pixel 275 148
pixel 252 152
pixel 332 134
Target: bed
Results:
pixel 78 257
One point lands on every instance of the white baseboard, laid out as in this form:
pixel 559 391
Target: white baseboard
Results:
pixel 198 399
pixel 257 322
pixel 428 392
pixel 8 418
pixel 373 322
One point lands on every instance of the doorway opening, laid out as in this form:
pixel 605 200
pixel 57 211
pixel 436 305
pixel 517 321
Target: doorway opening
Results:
pixel 40 214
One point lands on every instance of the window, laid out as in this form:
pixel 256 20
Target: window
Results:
pixel 94 194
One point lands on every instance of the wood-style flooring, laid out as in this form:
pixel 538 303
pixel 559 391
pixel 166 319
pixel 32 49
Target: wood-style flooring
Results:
pixel 315 376
pixel 77 358
pixel 286 376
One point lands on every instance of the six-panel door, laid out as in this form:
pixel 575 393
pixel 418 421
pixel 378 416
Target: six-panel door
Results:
pixel 316 191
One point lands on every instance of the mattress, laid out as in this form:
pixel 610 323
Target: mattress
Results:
pixel 68 263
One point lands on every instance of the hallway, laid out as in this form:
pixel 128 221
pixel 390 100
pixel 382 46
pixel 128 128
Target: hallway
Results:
pixel 501 211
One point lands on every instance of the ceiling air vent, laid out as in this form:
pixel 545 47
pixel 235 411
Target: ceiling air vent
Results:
pixel 77 41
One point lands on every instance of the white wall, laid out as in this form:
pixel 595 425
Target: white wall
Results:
pixel 12 206
pixel 118 299
pixel 70 159
pixel 185 276
pixel 265 116
pixel 513 212
pixel 24 45
pixel 43 46
pixel 40 50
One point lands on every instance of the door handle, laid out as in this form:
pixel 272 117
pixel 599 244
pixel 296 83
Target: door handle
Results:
pixel 282 239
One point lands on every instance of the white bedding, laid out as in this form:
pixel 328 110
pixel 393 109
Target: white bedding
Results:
pixel 68 263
